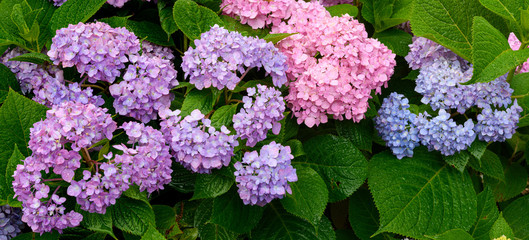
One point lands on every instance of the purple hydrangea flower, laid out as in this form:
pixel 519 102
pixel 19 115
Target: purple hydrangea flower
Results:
pixel 152 50
pixel 423 51
pixel 198 147
pixel 145 88
pixel 395 124
pixel 95 49
pixel 10 223
pixel 262 111
pixel 264 176
pixel 220 56
pixel 497 126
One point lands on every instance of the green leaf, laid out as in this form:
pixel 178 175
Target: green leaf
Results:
pixel 515 183
pixel 276 37
pixel 193 19
pixel 43 19
pixel 134 193
pixel 477 149
pixel 500 228
pixel 508 9
pixel 96 236
pixel 17 116
pixel 449 23
pixel 521 92
pixel 230 212
pixel 360 134
pixel 396 40
pixel 152 234
pixel 487 215
pixel 17 16
pixel 9 81
pixel 211 4
pixel 165 11
pixel 309 195
pixel 363 215
pixel 9 30
pixel 202 100
pixel 165 217
pixel 279 225
pixel 492 56
pixel 289 128
pixel 341 165
pixel 101 223
pixel 212 185
pixel 223 116
pixel 341 9
pixel 454 234
pixel 37 58
pixel 73 12
pixel 296 147
pixel 489 165
pixel 386 14
pixel 132 216
pixel 6 178
pixel 149 31
pixel 182 180
pixel 325 230
pixel 458 160
pixel 211 231
pixel 35 236
pixel 422 195
pixel 246 30
pixel 517 215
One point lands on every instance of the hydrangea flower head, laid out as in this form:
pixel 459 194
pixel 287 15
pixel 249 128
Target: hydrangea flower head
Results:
pixel 264 176
pixel 262 111
pixel 258 13
pixel 496 125
pixel 220 55
pixel 95 49
pixel 423 51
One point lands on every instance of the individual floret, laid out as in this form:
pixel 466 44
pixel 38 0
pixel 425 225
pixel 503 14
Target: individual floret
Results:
pixel 264 176
pixel 496 125
pixel 258 13
pixel 198 147
pixel 395 124
pixel 220 56
pixel 145 88
pixel 10 223
pixel 262 111
pixel 95 49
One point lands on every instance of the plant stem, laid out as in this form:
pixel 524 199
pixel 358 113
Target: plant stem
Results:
pixel 93 86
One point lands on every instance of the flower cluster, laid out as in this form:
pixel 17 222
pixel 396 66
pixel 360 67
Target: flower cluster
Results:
pixel 10 223
pixel 145 88
pixel 152 50
pixel 262 111
pixel 333 65
pixel 95 49
pixel 220 55
pixel 496 125
pixel 258 13
pixel 423 51
pixel 395 124
pixel 71 123
pixel 515 45
pixel 264 176
pixel 149 164
pixel 198 147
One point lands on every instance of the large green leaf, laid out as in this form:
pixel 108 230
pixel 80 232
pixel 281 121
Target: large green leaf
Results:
pixel 396 40
pixel 325 230
pixel 165 11
pixel 279 225
pixel 309 195
pixel 517 215
pixel 508 9
pixel 223 116
pixel 449 22
pixel 341 9
pixel 230 212
pixel 101 223
pixel 202 100
pixel 458 160
pixel 421 196
pixel 43 19
pixel 521 92
pixel 487 215
pixel 206 229
pixel 491 54
pixel 73 12
pixel 360 134
pixel 132 216
pixel 501 228
pixel 152 234
pixel 37 58
pixel 212 185
pixel 515 182
pixel 193 19
pixel 363 216
pixel 35 236
pixel 8 167
pixel 165 217
pixel 489 165
pixel 386 14
pixel 341 165
pixel 454 234
pixel 8 81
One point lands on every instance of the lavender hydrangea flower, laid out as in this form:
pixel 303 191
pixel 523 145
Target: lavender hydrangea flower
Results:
pixel 145 88
pixel 220 55
pixel 264 176
pixel 152 50
pixel 497 126
pixel 443 134
pixel 95 49
pixel 198 147
pixel 395 124
pixel 263 109
pixel 424 51
pixel 10 223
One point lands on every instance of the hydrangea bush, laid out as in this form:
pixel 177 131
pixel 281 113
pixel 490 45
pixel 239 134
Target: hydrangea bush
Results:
pixel 264 119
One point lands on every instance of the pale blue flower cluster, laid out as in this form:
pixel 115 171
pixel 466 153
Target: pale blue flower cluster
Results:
pixel 10 224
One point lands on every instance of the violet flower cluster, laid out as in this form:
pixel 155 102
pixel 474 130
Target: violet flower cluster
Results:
pixel 71 123
pixel 95 49
pixel 262 111
pixel 220 55
pixel 497 125
pixel 258 13
pixel 145 88
pixel 423 51
pixel 196 144
pixel 264 176
pixel 10 223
